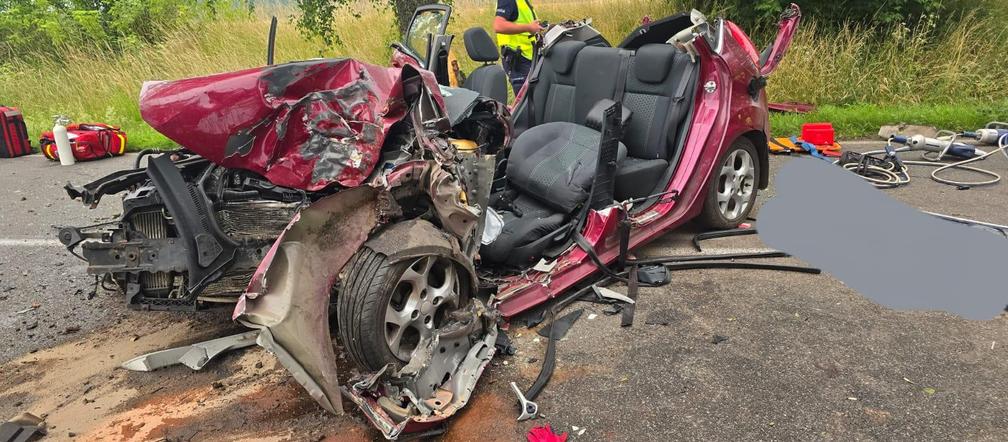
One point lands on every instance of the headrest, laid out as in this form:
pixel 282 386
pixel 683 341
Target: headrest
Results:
pixel 561 56
pixel 480 46
pixel 652 62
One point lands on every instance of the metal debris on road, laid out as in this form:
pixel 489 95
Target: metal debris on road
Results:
pixel 611 294
pixel 194 356
pixel 23 428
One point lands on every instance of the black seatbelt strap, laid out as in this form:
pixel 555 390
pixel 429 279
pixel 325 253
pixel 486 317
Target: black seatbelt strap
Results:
pixel 684 82
pixel 621 76
pixel 533 79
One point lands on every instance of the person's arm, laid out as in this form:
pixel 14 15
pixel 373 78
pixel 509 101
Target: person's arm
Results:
pixel 503 26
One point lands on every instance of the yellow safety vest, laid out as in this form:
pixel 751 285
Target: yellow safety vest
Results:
pixel 520 42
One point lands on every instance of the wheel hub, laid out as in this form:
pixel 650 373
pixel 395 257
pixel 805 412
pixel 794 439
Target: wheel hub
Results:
pixel 736 181
pixel 427 290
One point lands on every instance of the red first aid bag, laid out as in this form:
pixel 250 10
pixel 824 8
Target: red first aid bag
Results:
pixel 13 133
pixel 89 141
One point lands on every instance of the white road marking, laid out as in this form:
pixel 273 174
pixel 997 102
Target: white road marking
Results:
pixel 9 242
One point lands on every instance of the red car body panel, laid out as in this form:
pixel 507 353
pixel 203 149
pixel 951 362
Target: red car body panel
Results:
pixel 303 125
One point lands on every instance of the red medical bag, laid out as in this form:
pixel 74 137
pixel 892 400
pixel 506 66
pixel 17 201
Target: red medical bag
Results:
pixel 13 133
pixel 89 141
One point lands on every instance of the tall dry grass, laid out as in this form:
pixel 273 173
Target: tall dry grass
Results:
pixel 961 66
pixel 911 66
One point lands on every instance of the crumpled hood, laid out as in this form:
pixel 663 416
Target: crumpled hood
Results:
pixel 302 125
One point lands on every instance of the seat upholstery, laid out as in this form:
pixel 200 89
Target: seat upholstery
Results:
pixel 573 78
pixel 488 80
pixel 524 236
pixel 659 104
pixel 555 162
pixel 552 164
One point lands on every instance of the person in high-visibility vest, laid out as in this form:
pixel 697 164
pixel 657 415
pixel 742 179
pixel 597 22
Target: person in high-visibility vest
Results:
pixel 516 25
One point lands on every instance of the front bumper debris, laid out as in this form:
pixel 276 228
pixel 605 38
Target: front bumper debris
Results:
pixel 436 383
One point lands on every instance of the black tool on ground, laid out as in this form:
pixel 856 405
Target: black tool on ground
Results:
pixel 675 266
pixel 715 257
pixel 885 171
pixel 654 274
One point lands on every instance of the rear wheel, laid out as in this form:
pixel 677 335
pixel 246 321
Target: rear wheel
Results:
pixel 385 310
pixel 731 192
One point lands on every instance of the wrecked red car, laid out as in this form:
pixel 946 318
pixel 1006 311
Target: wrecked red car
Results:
pixel 415 215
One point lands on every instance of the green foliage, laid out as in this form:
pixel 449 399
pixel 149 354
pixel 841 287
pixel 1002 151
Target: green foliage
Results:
pixel 31 28
pixel 756 14
pixel 940 71
pixel 315 17
pixel 864 120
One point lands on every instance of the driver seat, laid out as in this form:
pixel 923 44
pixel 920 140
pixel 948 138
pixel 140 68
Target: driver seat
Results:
pixel 488 80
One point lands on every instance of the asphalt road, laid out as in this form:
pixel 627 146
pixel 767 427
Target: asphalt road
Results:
pixel 44 293
pixel 805 356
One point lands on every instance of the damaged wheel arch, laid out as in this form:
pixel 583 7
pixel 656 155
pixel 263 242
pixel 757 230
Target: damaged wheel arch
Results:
pixel 401 287
pixel 288 297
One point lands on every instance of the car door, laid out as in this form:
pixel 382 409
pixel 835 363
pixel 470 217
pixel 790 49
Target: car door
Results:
pixel 786 29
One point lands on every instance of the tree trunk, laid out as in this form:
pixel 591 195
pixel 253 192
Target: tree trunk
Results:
pixel 404 11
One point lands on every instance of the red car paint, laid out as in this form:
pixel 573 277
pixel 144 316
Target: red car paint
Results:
pixel 303 125
pixel 719 118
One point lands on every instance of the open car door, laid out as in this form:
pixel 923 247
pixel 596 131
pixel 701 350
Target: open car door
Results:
pixel 787 27
pixel 426 42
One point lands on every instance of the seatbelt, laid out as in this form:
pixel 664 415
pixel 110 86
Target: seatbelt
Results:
pixel 621 76
pixel 533 78
pixel 684 82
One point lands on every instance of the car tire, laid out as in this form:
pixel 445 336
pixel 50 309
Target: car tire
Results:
pixel 374 290
pixel 732 187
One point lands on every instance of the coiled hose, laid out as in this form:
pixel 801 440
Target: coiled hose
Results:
pixel 894 174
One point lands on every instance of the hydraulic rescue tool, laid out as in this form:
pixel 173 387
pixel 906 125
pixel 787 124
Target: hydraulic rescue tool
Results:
pixel 889 170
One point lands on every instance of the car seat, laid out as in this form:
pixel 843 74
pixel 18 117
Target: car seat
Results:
pixel 489 80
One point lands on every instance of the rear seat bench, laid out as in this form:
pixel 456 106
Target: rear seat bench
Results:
pixel 552 164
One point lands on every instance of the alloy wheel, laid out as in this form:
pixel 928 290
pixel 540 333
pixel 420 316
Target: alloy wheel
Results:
pixel 426 292
pixel 735 184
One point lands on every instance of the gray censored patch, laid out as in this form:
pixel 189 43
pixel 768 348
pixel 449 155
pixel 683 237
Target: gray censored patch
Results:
pixel 892 253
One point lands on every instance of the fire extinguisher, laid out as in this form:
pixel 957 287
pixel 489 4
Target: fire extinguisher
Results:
pixel 63 148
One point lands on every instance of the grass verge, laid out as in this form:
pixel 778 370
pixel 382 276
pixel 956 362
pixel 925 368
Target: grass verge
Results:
pixel 864 120
pixel 860 80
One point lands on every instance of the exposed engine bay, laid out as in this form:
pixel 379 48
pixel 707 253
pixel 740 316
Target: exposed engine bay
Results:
pixel 144 254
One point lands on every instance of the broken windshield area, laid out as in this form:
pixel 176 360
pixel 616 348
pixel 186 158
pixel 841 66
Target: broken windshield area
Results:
pixel 426 24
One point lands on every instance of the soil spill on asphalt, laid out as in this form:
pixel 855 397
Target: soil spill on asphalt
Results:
pixel 79 388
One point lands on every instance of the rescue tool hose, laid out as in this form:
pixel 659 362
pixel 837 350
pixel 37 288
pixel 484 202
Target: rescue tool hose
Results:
pixel 889 176
pixel 1002 144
